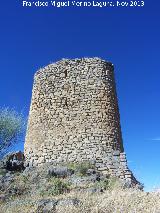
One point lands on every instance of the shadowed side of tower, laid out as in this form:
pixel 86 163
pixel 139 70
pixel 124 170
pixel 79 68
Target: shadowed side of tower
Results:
pixel 74 117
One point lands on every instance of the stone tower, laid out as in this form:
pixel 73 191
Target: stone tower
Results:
pixel 74 116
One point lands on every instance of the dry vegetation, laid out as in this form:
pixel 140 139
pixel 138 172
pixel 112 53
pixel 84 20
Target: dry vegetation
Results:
pixel 27 192
pixel 114 201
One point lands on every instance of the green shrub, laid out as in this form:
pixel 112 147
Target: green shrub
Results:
pixel 56 187
pixel 108 183
pixel 71 166
pixel 24 179
pixel 102 184
pixel 114 183
pixel 3 172
pixel 16 189
pixel 80 168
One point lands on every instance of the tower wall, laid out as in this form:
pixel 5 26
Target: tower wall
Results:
pixel 74 116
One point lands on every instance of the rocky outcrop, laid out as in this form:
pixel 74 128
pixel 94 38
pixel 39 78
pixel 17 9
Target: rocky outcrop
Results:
pixel 13 161
pixel 49 205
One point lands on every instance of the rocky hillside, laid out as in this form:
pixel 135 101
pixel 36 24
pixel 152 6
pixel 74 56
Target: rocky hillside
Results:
pixel 68 188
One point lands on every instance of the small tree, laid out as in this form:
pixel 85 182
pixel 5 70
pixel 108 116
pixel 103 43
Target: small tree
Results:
pixel 12 126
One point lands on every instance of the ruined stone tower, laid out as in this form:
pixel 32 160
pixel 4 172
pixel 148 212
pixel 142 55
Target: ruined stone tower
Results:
pixel 74 116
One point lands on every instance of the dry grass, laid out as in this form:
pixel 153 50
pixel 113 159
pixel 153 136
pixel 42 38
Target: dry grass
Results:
pixel 113 201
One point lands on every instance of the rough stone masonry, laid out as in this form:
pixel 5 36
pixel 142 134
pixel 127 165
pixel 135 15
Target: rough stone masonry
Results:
pixel 74 117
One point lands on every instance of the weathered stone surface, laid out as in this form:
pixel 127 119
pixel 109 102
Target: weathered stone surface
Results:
pixel 46 206
pixel 68 202
pixel 2 198
pixel 13 161
pixel 60 172
pixel 74 116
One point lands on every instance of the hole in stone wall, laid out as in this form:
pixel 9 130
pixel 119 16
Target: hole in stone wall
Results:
pixel 65 72
pixel 66 104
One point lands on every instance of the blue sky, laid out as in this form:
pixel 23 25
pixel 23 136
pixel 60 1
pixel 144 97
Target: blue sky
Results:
pixel 31 38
